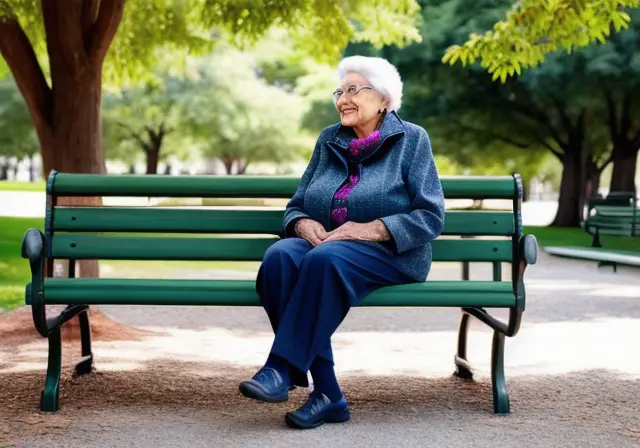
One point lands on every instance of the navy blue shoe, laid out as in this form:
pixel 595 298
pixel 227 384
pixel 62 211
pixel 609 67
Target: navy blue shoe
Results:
pixel 317 411
pixel 266 385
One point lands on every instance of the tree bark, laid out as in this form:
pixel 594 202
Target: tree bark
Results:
pixel 623 176
pixel 570 212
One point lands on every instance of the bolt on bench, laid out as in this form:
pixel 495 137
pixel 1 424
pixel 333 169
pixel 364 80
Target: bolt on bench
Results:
pixel 104 233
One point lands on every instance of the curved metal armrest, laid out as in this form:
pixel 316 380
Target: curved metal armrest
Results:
pixel 33 248
pixel 529 249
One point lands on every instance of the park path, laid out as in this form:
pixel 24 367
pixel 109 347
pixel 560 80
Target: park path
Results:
pixel 573 373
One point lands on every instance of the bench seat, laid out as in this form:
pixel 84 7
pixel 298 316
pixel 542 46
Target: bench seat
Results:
pixel 596 254
pixel 107 291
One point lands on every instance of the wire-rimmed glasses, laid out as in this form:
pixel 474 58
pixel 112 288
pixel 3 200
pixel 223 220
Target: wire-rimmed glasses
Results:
pixel 351 91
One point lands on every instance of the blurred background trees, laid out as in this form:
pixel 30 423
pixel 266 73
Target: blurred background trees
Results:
pixel 219 87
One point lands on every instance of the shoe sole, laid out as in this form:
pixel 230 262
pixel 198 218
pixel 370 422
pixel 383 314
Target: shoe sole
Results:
pixel 339 417
pixel 250 390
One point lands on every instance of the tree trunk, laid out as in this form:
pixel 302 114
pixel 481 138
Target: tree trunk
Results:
pixel 74 144
pixel 32 169
pixel 570 212
pixel 228 165
pixel 623 177
pixel 153 155
pixel 242 167
pixel 4 170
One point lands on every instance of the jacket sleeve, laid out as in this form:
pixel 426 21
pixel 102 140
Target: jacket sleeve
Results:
pixel 294 210
pixel 426 220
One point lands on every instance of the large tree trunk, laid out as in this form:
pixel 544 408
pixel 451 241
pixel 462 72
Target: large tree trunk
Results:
pixel 74 143
pixel 623 176
pixel 570 212
pixel 66 114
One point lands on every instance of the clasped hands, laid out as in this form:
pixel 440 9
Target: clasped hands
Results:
pixel 314 232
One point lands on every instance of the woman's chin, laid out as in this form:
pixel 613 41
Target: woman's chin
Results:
pixel 348 120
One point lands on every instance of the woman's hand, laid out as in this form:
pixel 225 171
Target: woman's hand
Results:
pixel 311 231
pixel 371 231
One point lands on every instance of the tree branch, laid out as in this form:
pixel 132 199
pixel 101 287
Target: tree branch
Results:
pixel 490 134
pixel 144 145
pixel 612 117
pixel 65 44
pixel 605 162
pixel 105 28
pixel 89 16
pixel 23 63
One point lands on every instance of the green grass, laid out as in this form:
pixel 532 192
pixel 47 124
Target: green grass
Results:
pixel 13 185
pixel 14 271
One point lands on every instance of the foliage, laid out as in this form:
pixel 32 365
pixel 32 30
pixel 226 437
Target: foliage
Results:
pixel 534 28
pixel 153 27
pixel 237 116
pixel 146 118
pixel 17 134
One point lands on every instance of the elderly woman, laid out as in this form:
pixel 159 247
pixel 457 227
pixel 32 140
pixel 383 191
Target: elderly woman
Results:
pixel 363 217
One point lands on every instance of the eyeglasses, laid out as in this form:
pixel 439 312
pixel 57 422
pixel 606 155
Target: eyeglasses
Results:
pixel 352 90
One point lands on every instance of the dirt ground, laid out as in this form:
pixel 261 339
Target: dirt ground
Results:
pixel 573 375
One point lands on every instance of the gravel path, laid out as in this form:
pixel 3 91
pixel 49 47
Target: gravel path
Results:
pixel 573 375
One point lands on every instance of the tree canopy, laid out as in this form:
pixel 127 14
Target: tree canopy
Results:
pixel 147 28
pixel 533 29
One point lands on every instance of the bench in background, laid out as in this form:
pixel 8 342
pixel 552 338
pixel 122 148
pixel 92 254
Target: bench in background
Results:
pixel 238 234
pixel 615 215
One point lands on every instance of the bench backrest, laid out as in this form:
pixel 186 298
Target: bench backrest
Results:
pixel 242 234
pixel 616 212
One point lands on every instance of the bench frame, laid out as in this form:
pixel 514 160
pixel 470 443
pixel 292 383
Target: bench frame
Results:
pixel 36 247
pixel 615 199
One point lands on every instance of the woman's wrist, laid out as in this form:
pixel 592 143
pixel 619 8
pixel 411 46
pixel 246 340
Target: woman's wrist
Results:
pixel 380 231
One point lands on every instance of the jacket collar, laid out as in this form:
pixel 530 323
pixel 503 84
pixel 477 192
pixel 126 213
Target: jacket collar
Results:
pixel 391 125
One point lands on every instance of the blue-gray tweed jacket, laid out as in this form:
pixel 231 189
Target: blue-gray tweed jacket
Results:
pixel 398 184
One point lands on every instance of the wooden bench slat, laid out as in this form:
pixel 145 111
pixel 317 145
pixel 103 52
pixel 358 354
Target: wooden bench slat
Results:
pixel 209 220
pixel 67 184
pixel 83 246
pixel 107 291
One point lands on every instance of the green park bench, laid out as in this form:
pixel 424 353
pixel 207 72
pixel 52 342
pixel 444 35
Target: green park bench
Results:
pixel 614 215
pixel 108 233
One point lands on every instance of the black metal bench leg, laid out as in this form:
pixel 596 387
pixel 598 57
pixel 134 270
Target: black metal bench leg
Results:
pixel 463 368
pixel 498 380
pixel 49 400
pixel 85 365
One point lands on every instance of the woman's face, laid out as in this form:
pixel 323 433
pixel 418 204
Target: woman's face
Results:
pixel 357 102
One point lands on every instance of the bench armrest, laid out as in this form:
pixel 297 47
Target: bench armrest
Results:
pixel 33 250
pixel 33 246
pixel 529 249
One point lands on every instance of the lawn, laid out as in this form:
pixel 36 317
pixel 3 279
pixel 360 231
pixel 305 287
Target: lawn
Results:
pixel 14 185
pixel 562 236
pixel 14 271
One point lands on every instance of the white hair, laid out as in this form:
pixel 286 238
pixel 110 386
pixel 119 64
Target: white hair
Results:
pixel 380 73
